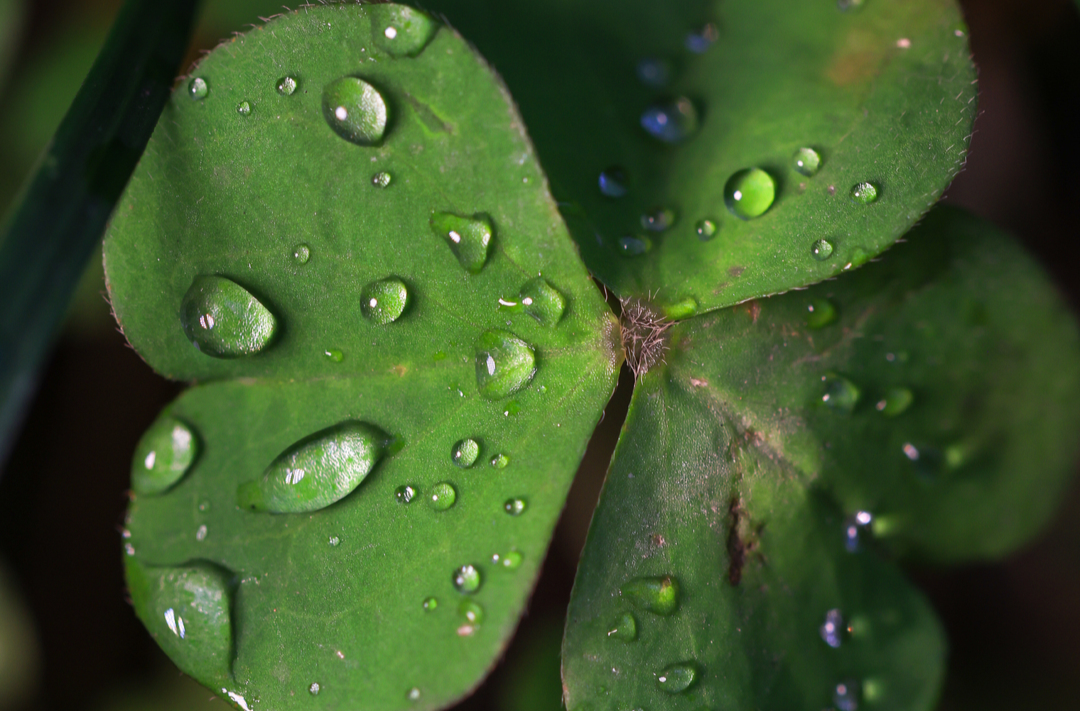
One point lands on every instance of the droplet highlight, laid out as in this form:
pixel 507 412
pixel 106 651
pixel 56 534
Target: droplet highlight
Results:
pixel 659 596
pixel 244 108
pixel 820 313
pixel 465 452
pixel 314 689
pixel 832 629
pixel 864 193
pixel 355 110
pixel 466 579
pixel 334 355
pixel 198 88
pixel 624 629
pixel 840 394
pixel 515 507
pixel 806 161
pixel 854 526
pixel 467 237
pixel 472 612
pixel 510 561
pixel 286 86
pixel 401 31
pixel 821 250
pixel 671 121
pixel 677 678
pixel 405 494
pixel 613 182
pixel 442 496
pixel 504 364
pixel 658 219
pixel 705 229
pixel 301 254
pixel 542 301
pixel 430 604
pixel 634 246
pixel 749 193
pixel 500 461
pixel 381 179
pixel 163 455
pixel 224 320
pixel 846 696
pixel 383 302
pixel 895 402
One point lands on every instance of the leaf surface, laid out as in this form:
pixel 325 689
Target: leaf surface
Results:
pixel 350 304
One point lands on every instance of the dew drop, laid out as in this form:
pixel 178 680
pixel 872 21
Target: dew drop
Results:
pixel 820 313
pixel 846 696
pixel 657 595
pixel 314 689
pixel 821 250
pixel 515 507
pixel 465 452
pixel 430 604
pixel 401 31
pixel 705 230
pixel 405 493
pixel 286 86
pixel 316 471
pixel 625 628
pixel 382 302
pixel 500 461
pixel 222 319
pixel 832 629
pixel 658 220
pixel 840 393
pixel 511 561
pixel 413 694
pixel 466 579
pixel 654 73
pixel 854 526
pixel 198 88
pixel 381 179
pixel 749 193
pixel 333 541
pixel 613 182
pixel 806 161
pixel 700 40
pixel 467 237
pixel 334 355
pixel 443 496
pixel 542 301
pixel 864 193
pixel 164 454
pixel 895 402
pixel 244 108
pixel 671 121
pixel 472 612
pixel 633 246
pixel 355 110
pixel 677 678
pixel 200 533
pixel 504 364
pixel 301 253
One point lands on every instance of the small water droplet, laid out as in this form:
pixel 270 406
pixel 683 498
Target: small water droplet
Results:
pixel 286 86
pixel 164 454
pixel 613 182
pixel 749 193
pixel 854 526
pixel 314 688
pixel 658 219
pixel 846 696
pixel 405 493
pixel 401 31
pixel 625 628
pixel 654 72
pixel 821 250
pixel 849 6
pixel 657 595
pixel 633 246
pixel 381 179
pixel 671 121
pixel 895 402
pixel 200 533
pixel 926 461
pixel 820 313
pixel 334 355
pixel 677 678
pixel 515 507
pixel 224 320
pixel 465 452
pixel 443 496
pixel 466 579
pixel 500 461
pixel 243 108
pixel 301 253
pixel 542 301
pixel 511 560
pixel 864 193
pixel 413 694
pixel 198 88
pixel 467 237
pixel 504 364
pixel 333 541
pixel 472 612
pixel 355 110
pixel 700 40
pixel 382 302
pixel 705 230
pixel 806 161
pixel 316 471
pixel 840 393
pixel 832 629
pixel 430 604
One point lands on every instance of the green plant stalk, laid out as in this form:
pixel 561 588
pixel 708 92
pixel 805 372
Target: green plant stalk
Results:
pixel 62 211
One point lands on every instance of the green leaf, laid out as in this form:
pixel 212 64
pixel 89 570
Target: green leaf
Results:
pixel 452 396
pixel 883 94
pixel 10 23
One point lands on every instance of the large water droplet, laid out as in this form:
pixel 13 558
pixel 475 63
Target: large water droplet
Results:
pixel 846 696
pixel 613 182
pixel 671 121
pixel 465 452
pixel 840 393
pixel 700 40
pixel 633 246
pixel 504 364
pixel 864 193
pixel 382 302
pixel 442 496
pixel 806 161
pixel 854 526
pixel 468 238
pixel 286 86
pixel 163 455
pixel 515 507
pixel 705 230
pixel 198 88
pixel 466 579
pixel 677 677
pixel 749 193
pixel 405 493
pixel 223 319
pixel 657 595
pixel 355 110
pixel 821 250
pixel 188 611
pixel 400 31
pixel 895 402
pixel 832 629
pixel 820 313
pixel 542 301
pixel 654 72
pixel 658 220
pixel 316 471
pixel 625 628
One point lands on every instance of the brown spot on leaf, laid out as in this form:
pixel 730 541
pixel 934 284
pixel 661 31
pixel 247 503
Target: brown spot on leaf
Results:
pixel 736 548
pixel 736 272
pixel 400 369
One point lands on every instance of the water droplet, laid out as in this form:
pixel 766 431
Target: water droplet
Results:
pixel 749 193
pixel 200 533
pixel 657 595
pixel 654 72
pixel 512 408
pixel 633 246
pixel 472 612
pixel 382 302
pixel 671 121
pixel 355 110
pixel 333 541
pixel 926 461
pixel 381 179
pixel 515 507
pixel 542 301
pixel 301 253
pixel 700 40
pixel 430 604
pixel 316 471
pixel 443 495
pixel 840 393
pixel 821 250
pixel 468 238
pixel 832 629
pixel 849 6
pixel 864 193
pixel 846 696
pixel 222 319
pixel 187 609
pixel 334 355
pixel 286 86
pixel 400 31
pixel 412 694
pixel 896 401
pixel 684 308
pixel 625 628
pixel 658 220
pixel 820 313
pixel 500 461
pixel 705 230
pixel 504 364
pixel 806 161
pixel 314 688
pixel 511 561
pixel 677 677
pixel 466 579
pixel 243 108
pixel 164 454
pixel 465 452
pixel 613 182
pixel 405 493
pixel 198 88
pixel 854 525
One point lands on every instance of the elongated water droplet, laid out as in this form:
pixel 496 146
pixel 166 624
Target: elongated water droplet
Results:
pixel 466 579
pixel 471 611
pixel 382 302
pixel 405 493
pixel 832 629
pixel 895 402
pixel 244 108
pixel 854 526
pixel 442 496
pixel 198 88
pixel 846 696
pixel 515 507
pixel 654 72
pixel 671 121
pixel 658 220
pixel 381 179
pixel 840 393
pixel 334 355
pixel 705 230
pixel 400 31
pixel 657 595
pixel 677 678
pixel 625 628
pixel 504 364
pixel 430 604
pixel 864 193
pixel 222 318
pixel 633 246
pixel 821 250
pixel 806 161
pixel 468 238
pixel 164 454
pixel 700 40
pixel 355 110
pixel 188 611
pixel 820 313
pixel 542 301
pixel 301 253
pixel 286 86
pixel 465 452
pixel 316 471
pixel 500 461
pixel 613 182
pixel 749 193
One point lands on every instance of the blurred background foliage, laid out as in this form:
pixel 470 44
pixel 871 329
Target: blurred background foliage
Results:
pixel 69 640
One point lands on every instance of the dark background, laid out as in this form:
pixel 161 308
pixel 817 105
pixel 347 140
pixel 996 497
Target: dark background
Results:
pixel 1014 626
